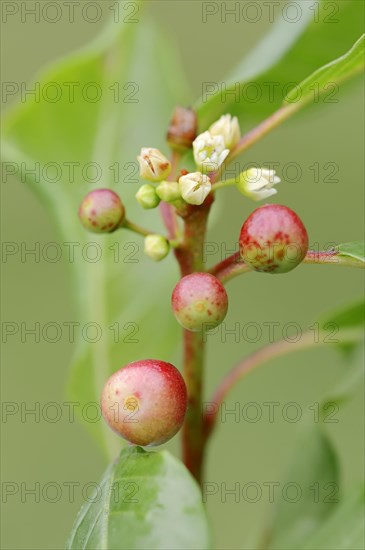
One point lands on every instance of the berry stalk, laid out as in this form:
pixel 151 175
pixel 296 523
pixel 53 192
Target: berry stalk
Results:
pixel 234 265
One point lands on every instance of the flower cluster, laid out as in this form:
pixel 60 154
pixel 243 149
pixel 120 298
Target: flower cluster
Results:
pixel 210 150
pixel 103 212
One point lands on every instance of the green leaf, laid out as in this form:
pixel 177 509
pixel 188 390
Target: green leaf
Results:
pixel 344 529
pixel 134 317
pixel 334 72
pixel 354 250
pixel 292 55
pixel 315 465
pixel 346 318
pixel 314 474
pixel 145 500
pixel 269 51
pixel 350 316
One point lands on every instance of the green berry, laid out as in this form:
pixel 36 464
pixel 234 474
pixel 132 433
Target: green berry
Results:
pixel 101 211
pixel 145 402
pixel 199 302
pixel 273 239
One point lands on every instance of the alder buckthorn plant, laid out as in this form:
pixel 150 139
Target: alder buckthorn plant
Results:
pixel 148 394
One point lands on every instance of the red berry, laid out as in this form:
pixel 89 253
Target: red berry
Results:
pixel 101 211
pixel 145 402
pixel 273 239
pixel 199 301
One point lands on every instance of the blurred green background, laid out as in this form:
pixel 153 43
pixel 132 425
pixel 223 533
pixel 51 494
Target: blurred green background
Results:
pixel 62 452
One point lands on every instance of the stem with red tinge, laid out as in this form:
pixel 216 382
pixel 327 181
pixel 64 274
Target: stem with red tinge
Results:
pixel 260 357
pixel 190 258
pixel 234 265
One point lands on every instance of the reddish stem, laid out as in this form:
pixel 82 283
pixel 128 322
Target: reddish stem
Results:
pixel 190 258
pixel 263 355
pixel 168 212
pixel 234 265
pixel 262 129
pixel 229 268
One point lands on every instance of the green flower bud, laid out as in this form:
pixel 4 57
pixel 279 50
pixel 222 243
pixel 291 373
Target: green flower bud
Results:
pixel 168 191
pixel 147 196
pixel 156 247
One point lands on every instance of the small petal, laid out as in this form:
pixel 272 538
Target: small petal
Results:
pixel 263 194
pixel 195 187
pixel 209 151
pixel 228 128
pixel 257 183
pixel 154 166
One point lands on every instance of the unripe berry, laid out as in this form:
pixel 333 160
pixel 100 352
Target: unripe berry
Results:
pixel 101 211
pixel 199 302
pixel 145 402
pixel 273 239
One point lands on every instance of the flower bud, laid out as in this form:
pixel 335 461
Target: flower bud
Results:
pixel 257 183
pixel 168 191
pixel 182 129
pixel 154 166
pixel 228 128
pixel 156 247
pixel 147 196
pixel 195 187
pixel 209 152
pixel 101 211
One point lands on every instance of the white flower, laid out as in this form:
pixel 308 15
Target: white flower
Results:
pixel 257 183
pixel 195 187
pixel 228 128
pixel 209 151
pixel 154 166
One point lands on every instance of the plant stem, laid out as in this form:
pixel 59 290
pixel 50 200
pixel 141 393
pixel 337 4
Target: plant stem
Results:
pixel 230 267
pixel 136 228
pixel 168 211
pixel 263 355
pixel 321 257
pixel 224 183
pixel 234 265
pixel 264 128
pixel 193 433
pixel 190 258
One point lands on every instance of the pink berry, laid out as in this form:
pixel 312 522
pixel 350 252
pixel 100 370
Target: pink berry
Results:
pixel 273 239
pixel 145 402
pixel 199 301
pixel 101 211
